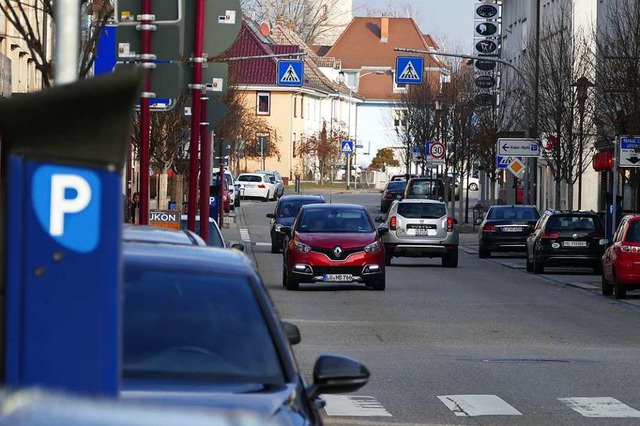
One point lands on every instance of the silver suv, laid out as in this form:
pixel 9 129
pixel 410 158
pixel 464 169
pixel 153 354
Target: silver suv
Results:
pixel 420 228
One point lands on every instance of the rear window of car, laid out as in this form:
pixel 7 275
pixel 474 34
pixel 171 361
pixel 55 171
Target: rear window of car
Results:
pixel 195 326
pixel 250 178
pixel 291 208
pixel 335 221
pixel 574 223
pixel 426 188
pixel 513 213
pixel 396 185
pixel 422 210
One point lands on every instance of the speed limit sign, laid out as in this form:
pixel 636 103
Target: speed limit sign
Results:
pixel 436 150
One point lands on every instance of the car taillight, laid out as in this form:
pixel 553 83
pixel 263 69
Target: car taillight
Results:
pixel 489 228
pixel 629 249
pixel 261 186
pixel 393 223
pixel 449 224
pixel 550 235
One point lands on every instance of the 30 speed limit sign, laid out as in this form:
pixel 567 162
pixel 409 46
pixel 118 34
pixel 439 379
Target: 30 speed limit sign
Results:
pixel 436 150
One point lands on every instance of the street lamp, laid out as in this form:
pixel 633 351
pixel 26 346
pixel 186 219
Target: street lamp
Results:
pixel 582 86
pixel 343 80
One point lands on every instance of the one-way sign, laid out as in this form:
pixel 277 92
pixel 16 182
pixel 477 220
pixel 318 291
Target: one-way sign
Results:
pixel 517 147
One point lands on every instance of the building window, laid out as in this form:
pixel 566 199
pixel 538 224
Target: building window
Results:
pixel 400 118
pixel 264 103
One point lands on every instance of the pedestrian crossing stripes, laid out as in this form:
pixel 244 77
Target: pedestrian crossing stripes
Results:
pixel 352 405
pixel 290 75
pixel 409 72
pixel 477 405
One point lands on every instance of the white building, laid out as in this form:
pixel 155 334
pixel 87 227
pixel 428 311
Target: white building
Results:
pixel 336 16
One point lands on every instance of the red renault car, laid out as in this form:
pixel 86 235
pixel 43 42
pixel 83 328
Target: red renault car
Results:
pixel 333 243
pixel 621 260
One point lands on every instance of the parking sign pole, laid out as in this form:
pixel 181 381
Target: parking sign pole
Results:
pixel 205 171
pixel 614 189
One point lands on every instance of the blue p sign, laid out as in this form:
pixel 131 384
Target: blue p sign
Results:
pixel 67 204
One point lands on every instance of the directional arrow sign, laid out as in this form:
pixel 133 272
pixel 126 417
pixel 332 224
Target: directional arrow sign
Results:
pixel 629 151
pixel 516 147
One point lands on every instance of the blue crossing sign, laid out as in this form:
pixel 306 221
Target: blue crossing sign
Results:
pixel 409 70
pixel 346 147
pixel 502 161
pixel 290 73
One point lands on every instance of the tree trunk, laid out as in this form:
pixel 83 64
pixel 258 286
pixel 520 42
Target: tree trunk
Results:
pixel 570 197
pixel 492 192
pixel 178 191
pixel 557 202
pixel 162 194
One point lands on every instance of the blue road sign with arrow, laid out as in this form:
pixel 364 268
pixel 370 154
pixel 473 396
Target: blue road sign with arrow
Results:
pixel 409 69
pixel 347 147
pixel 290 73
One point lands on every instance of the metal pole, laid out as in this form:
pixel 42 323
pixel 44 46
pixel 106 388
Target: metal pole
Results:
pixel 67 45
pixel 205 171
pixel 580 159
pixel 145 113
pixel 349 139
pixel 196 87
pixel 614 189
pixel 220 178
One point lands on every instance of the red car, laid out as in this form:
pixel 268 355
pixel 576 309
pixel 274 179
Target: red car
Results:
pixel 333 243
pixel 621 260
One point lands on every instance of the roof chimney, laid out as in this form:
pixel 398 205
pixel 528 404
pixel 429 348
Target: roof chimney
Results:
pixel 384 29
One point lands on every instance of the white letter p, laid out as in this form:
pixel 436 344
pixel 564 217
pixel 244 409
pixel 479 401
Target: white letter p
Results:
pixel 60 205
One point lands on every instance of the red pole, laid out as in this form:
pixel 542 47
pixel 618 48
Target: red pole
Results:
pixel 195 118
pixel 145 118
pixel 205 174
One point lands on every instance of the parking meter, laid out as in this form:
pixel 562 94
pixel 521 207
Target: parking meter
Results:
pixel 63 151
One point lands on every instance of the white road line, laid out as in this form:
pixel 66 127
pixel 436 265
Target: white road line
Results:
pixel 355 406
pixel 478 405
pixel 244 235
pixel 600 407
pixel 261 244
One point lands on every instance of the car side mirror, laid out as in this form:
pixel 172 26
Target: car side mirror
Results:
pixel 286 230
pixel 271 215
pixel 382 230
pixel 337 374
pixel 603 242
pixel 292 332
pixel 237 246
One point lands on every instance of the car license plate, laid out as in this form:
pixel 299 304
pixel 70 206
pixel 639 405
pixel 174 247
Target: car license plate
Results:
pixel 574 244
pixel 337 277
pixel 511 229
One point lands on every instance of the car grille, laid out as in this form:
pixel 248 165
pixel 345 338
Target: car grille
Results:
pixel 353 270
pixel 421 226
pixel 345 252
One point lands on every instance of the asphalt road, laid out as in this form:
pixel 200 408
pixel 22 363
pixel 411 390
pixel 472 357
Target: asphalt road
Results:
pixel 483 344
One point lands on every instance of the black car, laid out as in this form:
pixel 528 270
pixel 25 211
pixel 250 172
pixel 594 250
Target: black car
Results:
pixel 200 329
pixel 285 211
pixel 566 238
pixel 393 190
pixel 424 187
pixel 506 229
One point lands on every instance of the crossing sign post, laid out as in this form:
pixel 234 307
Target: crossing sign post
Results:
pixel 290 73
pixel 409 70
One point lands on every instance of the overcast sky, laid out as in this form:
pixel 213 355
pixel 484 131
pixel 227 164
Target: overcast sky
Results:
pixel 449 21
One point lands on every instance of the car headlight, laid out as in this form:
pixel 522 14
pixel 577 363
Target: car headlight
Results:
pixel 278 227
pixel 302 247
pixel 373 247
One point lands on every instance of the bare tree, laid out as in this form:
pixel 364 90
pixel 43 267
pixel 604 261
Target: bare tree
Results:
pixel 309 18
pixel 31 21
pixel 393 9
pixel 322 152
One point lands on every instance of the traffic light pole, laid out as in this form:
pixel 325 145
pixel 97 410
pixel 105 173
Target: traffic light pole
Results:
pixel 205 171
pixel 196 87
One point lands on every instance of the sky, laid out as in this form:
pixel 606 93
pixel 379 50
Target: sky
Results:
pixel 449 21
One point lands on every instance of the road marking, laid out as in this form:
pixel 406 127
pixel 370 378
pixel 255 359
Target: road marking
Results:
pixel 478 405
pixel 261 244
pixel 355 406
pixel 600 407
pixel 244 235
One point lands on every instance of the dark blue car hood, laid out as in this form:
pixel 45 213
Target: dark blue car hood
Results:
pixel 272 402
pixel 285 221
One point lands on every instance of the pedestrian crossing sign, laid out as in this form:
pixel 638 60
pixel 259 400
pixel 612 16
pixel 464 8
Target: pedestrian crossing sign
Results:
pixel 290 73
pixel 409 69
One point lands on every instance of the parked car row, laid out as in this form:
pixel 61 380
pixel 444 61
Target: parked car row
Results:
pixel 561 238
pixel 199 329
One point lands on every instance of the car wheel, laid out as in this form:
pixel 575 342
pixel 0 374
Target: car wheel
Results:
pixel 450 260
pixel 288 282
pixel 529 264
pixel 473 186
pixel 380 283
pixel 620 291
pixel 607 289
pixel 268 197
pixel 538 267
pixel 483 252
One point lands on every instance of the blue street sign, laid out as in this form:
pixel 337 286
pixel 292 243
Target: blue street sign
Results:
pixel 409 69
pixel 415 149
pixel 503 161
pixel 346 147
pixel 629 143
pixel 290 73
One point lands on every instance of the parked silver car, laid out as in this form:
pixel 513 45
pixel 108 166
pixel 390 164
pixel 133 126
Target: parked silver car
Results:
pixel 420 228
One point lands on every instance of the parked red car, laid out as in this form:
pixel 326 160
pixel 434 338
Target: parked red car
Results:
pixel 333 243
pixel 621 260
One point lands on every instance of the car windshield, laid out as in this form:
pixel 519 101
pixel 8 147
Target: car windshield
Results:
pixel 290 208
pixel 330 220
pixel 215 239
pixel 191 325
pixel 513 213
pixel 422 210
pixel 397 185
